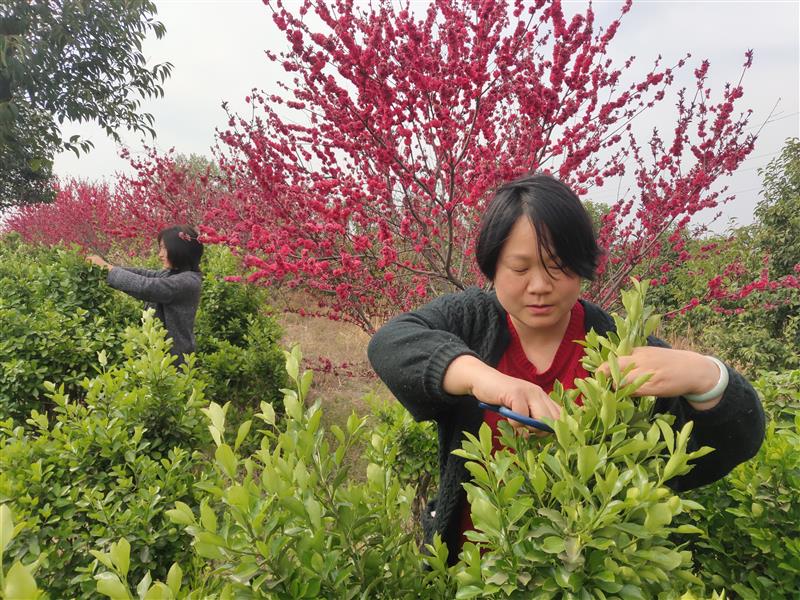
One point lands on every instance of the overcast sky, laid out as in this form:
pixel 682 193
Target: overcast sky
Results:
pixel 217 49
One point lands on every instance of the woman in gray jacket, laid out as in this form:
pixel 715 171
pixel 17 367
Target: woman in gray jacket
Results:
pixel 173 292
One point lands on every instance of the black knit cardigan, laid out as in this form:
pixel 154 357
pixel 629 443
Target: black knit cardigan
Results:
pixel 412 352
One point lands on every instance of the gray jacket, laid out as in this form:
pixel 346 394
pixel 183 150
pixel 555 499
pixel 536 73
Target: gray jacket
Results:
pixel 175 296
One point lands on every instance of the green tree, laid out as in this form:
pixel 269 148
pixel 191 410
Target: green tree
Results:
pixel 778 213
pixel 78 60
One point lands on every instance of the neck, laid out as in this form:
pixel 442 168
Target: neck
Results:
pixel 539 336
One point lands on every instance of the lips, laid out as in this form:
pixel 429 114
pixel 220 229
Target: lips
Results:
pixel 539 308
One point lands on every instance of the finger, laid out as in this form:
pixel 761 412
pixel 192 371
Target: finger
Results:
pixel 551 409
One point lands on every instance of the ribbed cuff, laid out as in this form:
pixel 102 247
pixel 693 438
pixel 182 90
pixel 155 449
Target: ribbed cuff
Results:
pixel 437 365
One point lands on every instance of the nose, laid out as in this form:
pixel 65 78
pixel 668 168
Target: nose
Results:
pixel 539 281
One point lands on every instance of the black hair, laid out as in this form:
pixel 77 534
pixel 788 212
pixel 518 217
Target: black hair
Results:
pixel 184 250
pixel 564 230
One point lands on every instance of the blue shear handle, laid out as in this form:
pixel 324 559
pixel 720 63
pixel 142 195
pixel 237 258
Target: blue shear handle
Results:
pixel 510 414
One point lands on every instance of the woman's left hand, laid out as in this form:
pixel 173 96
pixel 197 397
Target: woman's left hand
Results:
pixel 674 373
pixel 96 260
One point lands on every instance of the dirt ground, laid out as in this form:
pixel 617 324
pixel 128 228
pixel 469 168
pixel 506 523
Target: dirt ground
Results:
pixel 344 390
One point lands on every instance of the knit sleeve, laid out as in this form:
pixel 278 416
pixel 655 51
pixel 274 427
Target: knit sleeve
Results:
pixel 161 290
pixel 412 352
pixel 143 272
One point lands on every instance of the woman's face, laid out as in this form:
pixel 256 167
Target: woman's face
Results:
pixel 538 299
pixel 162 254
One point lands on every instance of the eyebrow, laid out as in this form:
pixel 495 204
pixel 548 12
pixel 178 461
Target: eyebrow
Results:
pixel 519 256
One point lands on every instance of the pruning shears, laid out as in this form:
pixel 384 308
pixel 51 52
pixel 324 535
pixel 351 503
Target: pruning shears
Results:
pixel 510 414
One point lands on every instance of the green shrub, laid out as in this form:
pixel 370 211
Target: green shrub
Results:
pixel 225 306
pixel 407 448
pixel 780 393
pixel 16 582
pixel 237 341
pixel 108 466
pixel 584 514
pixel 56 314
pixel 287 523
pixel 752 522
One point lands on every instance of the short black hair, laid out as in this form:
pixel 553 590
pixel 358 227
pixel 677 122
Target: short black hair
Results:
pixel 184 250
pixel 564 230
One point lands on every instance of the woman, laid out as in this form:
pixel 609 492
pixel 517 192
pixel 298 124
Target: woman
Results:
pixel 507 346
pixel 174 292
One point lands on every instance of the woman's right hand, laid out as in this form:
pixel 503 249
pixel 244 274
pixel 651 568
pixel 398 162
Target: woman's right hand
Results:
pixel 96 260
pixel 469 375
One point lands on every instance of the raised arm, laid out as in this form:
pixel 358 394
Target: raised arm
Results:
pixel 412 352
pixel 142 272
pixel 152 289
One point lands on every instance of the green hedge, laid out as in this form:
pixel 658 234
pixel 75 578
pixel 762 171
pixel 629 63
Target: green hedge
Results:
pixel 57 313
pixel 106 466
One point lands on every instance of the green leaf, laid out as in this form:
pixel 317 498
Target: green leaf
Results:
pixel 674 463
pixel 668 433
pixel 226 460
pixel 159 591
pixel 217 416
pixel 6 527
pixel 181 514
pixel 174 578
pixel 103 558
pixel 244 429
pixel 510 489
pixel 267 413
pixel 688 529
pixel 121 556
pixel 478 472
pixel 305 383
pixel 553 544
pixel 658 515
pixel 314 510
pixel 20 584
pixel 208 517
pixel 144 585
pixel 292 365
pixel 484 514
pixel 469 591
pixel 109 585
pixel 587 461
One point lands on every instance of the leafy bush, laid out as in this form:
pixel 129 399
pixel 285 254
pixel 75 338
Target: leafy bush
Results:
pixel 108 466
pixel 780 393
pixel 752 537
pixel 237 342
pixel 56 314
pixel 286 522
pixel 407 448
pixel 17 582
pixel 584 514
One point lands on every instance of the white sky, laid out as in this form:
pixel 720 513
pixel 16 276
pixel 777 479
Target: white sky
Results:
pixel 216 47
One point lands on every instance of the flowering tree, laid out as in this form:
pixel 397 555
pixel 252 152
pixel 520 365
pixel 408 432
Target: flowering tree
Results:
pixel 163 190
pixel 364 178
pixel 81 213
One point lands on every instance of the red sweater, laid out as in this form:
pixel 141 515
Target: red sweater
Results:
pixel 566 367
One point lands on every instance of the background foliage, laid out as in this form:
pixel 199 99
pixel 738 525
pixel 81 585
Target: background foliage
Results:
pixel 77 59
